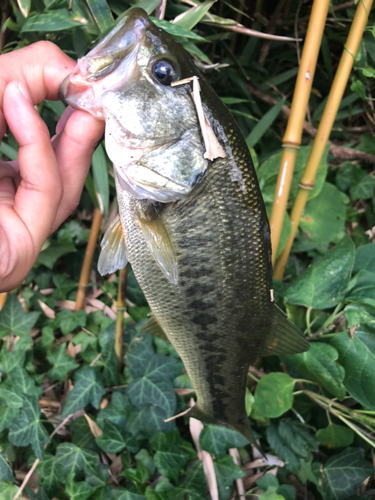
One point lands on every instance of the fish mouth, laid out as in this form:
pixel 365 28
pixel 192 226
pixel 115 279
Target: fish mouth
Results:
pixel 111 65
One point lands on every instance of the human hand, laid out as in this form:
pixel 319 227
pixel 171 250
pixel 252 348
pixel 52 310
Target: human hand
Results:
pixel 41 189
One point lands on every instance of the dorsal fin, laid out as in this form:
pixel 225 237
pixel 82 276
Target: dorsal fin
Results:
pixel 113 253
pixel 286 337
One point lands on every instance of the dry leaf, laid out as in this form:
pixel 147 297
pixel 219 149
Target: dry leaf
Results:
pixel 94 428
pixel 208 465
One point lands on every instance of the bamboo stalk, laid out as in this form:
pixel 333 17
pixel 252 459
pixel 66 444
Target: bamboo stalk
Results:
pixel 293 133
pixel 325 126
pixel 121 295
pixel 3 298
pixel 87 263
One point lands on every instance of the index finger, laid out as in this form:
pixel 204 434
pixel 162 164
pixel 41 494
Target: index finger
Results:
pixel 42 66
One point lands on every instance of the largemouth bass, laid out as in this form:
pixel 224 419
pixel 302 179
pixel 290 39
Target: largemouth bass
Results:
pixel 194 228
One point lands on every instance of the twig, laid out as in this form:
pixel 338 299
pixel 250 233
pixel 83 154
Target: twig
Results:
pixel 160 9
pixel 87 263
pixel 3 298
pixel 121 296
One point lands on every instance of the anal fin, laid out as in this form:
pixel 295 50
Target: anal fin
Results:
pixel 286 337
pixel 113 253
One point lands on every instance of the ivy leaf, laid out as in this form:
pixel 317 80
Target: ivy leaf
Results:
pixel 7 490
pixel 274 394
pixel 62 364
pixel 335 436
pixel 6 473
pixel 109 358
pixel 357 356
pixel 148 421
pixel 321 364
pixel 321 286
pixel 117 410
pixel 226 472
pixel 55 250
pixel 77 491
pixel 28 429
pixel 159 441
pixel 73 460
pixel 21 382
pixel 115 439
pixel 68 321
pixel 217 440
pixel 342 474
pixel 49 473
pixel 171 461
pixel 292 442
pixel 123 494
pixel 13 319
pixel 87 389
pixel 144 391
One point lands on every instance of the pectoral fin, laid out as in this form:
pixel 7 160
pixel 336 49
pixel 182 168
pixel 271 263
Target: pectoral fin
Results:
pixel 160 244
pixel 113 253
pixel 286 337
pixel 153 327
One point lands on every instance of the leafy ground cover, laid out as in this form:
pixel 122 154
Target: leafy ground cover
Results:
pixel 90 431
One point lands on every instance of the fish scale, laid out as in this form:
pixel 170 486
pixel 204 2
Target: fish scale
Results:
pixel 196 231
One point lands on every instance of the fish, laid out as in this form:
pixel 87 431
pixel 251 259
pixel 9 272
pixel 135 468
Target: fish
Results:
pixel 192 222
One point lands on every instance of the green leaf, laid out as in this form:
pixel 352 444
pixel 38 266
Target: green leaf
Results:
pixel 292 442
pixel 6 473
pixel 321 285
pixel 342 474
pixel 361 287
pixel 322 366
pixel 104 19
pixel 109 357
pixel 55 20
pixel 7 490
pixel 358 87
pixel 171 461
pixel 217 440
pixel 54 251
pixel 159 441
pixel 365 258
pixel 73 460
pixel 324 216
pixel 8 151
pixel 70 320
pixel 263 125
pixel 13 319
pixel 226 472
pixel 49 473
pixel 122 494
pixel 77 491
pixel 87 389
pixel 21 383
pixel 115 439
pixel 144 391
pixel 357 356
pixel 274 394
pixel 194 15
pixel 176 30
pixel 335 436
pixel 28 429
pixel 99 166
pixel 62 364
pixel 116 411
pixel 148 5
pixel 148 421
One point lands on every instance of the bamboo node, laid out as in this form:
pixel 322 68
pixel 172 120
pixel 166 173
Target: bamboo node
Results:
pixel 289 145
pixel 307 187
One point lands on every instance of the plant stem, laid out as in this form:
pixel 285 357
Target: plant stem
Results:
pixel 325 126
pixel 87 263
pixel 121 294
pixel 293 133
pixel 3 298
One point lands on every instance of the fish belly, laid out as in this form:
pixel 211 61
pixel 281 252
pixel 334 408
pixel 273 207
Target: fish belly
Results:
pixel 217 317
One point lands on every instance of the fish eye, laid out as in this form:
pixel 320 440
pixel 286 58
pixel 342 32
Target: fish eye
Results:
pixel 164 72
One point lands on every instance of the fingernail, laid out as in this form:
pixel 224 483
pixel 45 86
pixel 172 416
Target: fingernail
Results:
pixel 24 91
